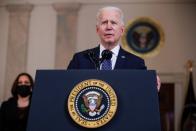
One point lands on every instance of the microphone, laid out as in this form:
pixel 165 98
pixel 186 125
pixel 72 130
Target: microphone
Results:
pixel 93 59
pixel 105 55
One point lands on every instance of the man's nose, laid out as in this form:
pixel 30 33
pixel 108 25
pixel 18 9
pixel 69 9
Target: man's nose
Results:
pixel 109 25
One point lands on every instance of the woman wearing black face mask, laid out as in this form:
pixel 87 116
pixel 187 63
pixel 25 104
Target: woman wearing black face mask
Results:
pixel 14 111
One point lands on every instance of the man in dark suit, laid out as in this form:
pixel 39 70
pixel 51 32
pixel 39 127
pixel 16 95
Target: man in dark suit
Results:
pixel 110 28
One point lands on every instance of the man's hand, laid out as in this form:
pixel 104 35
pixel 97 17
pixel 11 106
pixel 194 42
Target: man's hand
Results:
pixel 158 83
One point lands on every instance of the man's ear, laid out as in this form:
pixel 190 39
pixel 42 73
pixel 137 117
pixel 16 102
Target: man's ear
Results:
pixel 97 28
pixel 123 29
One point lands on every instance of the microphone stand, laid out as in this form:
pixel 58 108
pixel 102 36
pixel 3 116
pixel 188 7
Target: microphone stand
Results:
pixel 105 55
pixel 94 60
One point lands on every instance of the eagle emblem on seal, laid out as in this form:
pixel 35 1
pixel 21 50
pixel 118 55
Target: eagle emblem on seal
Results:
pixel 92 103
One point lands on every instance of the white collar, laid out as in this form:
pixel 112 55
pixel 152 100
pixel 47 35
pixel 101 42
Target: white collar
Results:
pixel 115 50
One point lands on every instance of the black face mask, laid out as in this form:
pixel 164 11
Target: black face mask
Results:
pixel 23 90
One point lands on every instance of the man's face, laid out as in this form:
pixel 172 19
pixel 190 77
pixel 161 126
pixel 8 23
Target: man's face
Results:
pixel 110 29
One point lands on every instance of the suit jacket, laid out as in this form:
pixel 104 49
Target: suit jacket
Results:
pixel 125 60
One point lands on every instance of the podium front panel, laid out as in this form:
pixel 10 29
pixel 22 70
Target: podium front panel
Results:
pixel 136 91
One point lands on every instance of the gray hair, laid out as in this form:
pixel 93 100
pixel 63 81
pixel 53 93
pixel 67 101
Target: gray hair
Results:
pixel 110 8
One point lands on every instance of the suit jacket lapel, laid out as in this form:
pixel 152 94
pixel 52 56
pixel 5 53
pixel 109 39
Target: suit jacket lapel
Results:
pixel 121 59
pixel 96 52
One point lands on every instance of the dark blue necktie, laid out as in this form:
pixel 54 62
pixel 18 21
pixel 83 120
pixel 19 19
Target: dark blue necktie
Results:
pixel 106 65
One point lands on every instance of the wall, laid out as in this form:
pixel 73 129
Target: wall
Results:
pixel 3 47
pixel 42 39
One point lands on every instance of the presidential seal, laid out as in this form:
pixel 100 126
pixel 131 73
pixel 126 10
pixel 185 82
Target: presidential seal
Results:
pixel 92 103
pixel 144 37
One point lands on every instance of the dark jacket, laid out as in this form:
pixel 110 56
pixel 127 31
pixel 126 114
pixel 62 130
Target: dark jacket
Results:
pixel 125 60
pixel 13 118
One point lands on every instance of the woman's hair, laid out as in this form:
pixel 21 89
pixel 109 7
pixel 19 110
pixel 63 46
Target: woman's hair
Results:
pixel 15 84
